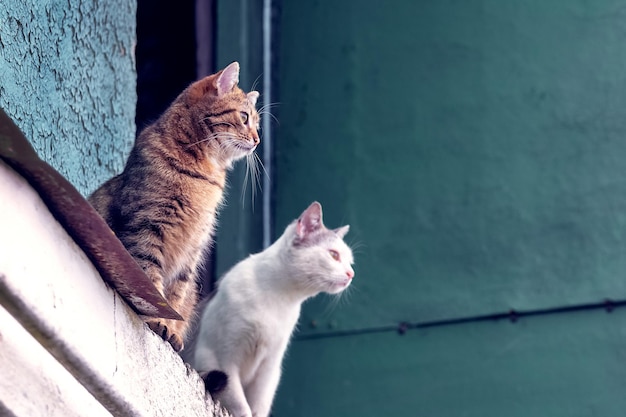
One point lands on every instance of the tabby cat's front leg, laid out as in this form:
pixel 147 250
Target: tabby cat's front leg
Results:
pixel 182 295
pixel 167 329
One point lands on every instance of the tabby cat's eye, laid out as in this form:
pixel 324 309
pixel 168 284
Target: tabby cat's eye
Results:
pixel 244 117
pixel 334 254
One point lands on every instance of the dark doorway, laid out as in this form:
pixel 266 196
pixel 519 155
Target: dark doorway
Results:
pixel 174 48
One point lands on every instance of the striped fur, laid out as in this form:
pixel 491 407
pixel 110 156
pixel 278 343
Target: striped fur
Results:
pixel 163 205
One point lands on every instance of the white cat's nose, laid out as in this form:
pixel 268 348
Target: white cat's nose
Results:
pixel 350 273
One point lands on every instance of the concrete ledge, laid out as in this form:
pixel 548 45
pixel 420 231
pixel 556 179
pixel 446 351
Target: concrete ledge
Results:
pixel 111 363
pixel 33 383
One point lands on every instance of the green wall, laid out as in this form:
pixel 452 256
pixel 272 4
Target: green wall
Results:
pixel 566 366
pixel 67 78
pixel 476 149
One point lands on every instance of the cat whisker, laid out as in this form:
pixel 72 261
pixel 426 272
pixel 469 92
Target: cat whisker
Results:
pixel 258 158
pixel 217 134
pixel 314 286
pixel 331 306
pixel 238 143
pixel 334 302
pixel 343 298
pixel 256 163
pixel 230 142
pixel 252 160
pixel 224 135
pixel 245 184
pixel 208 138
pixel 357 247
pixel 256 81
pixel 252 175
pixel 265 110
pixel 267 106
pixel 226 148
pixel 271 115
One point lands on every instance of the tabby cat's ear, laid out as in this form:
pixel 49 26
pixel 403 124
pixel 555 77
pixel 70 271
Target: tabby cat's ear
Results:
pixel 252 97
pixel 342 231
pixel 310 220
pixel 228 79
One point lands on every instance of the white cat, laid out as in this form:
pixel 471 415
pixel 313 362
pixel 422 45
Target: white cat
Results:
pixel 244 330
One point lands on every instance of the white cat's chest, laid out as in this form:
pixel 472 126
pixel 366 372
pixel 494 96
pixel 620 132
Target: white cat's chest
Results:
pixel 276 325
pixel 273 329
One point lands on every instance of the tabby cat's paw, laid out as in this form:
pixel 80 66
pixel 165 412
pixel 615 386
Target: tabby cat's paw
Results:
pixel 162 330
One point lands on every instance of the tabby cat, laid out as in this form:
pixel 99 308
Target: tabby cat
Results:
pixel 245 328
pixel 163 205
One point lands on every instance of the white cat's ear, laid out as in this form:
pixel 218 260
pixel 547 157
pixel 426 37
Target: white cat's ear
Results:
pixel 228 79
pixel 252 97
pixel 342 231
pixel 310 220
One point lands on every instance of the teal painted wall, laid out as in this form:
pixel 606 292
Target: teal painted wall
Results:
pixel 556 366
pixel 67 78
pixel 476 148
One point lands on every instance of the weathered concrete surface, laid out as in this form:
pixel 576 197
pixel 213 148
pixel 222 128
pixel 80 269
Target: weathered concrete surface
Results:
pixel 49 286
pixel 33 383
pixel 67 78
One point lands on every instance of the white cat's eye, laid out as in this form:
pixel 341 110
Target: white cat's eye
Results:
pixel 334 254
pixel 244 117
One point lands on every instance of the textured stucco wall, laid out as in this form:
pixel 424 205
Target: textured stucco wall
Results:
pixel 67 78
